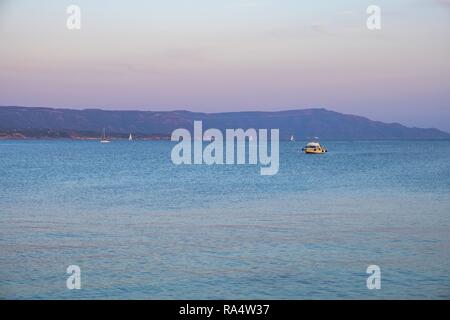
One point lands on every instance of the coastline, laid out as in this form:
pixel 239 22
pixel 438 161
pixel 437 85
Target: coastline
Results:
pixel 75 136
pixel 21 137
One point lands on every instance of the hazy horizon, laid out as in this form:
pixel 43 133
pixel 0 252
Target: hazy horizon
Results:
pixel 229 56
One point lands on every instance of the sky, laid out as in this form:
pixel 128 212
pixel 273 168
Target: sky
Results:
pixel 231 55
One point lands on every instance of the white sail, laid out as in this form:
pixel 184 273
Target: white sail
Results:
pixel 130 138
pixel 103 139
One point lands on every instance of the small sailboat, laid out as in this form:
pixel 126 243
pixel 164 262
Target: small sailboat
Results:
pixel 130 138
pixel 103 138
pixel 292 138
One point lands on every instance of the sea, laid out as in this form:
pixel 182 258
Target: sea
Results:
pixel 140 227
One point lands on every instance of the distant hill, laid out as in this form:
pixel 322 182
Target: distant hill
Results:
pixel 23 122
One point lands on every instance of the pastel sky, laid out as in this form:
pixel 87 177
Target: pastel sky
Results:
pixel 231 55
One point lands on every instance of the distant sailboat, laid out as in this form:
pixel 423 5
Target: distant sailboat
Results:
pixel 103 139
pixel 292 138
pixel 130 138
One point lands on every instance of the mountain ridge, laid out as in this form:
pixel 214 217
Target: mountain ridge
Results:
pixel 34 122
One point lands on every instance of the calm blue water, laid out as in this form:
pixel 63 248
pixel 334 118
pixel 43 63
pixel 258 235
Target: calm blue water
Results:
pixel 140 227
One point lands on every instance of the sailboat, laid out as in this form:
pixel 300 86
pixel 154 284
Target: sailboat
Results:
pixel 103 139
pixel 130 138
pixel 292 138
